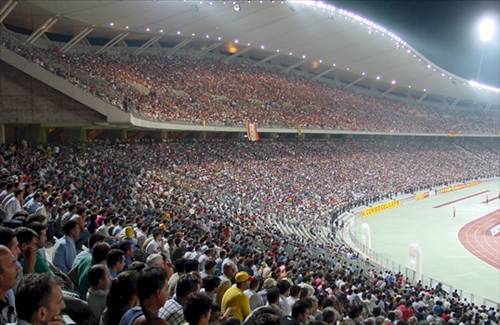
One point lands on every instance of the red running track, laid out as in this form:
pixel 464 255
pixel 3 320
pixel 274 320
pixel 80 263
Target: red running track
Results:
pixel 477 239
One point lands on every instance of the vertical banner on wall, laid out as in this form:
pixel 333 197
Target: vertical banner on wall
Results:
pixel 252 134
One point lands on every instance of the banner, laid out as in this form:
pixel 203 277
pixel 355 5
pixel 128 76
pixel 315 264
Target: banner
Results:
pixel 252 134
pixel 459 186
pixel 380 207
pixel 421 195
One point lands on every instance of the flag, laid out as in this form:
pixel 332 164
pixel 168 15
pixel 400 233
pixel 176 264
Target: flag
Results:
pixel 252 134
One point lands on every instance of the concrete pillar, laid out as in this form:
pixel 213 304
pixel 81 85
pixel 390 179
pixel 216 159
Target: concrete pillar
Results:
pixel 123 134
pixel 40 134
pixel 2 133
pixel 82 136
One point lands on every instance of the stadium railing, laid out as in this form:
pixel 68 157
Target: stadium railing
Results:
pixel 382 262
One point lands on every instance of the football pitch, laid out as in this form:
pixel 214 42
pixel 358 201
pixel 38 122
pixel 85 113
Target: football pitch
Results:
pixel 430 224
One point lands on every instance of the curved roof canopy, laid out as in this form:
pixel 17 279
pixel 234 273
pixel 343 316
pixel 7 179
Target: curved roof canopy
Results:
pixel 309 35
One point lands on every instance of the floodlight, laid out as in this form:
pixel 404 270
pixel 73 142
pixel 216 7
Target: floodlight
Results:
pixel 236 7
pixel 486 29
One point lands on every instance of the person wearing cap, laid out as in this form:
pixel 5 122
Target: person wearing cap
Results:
pixel 235 297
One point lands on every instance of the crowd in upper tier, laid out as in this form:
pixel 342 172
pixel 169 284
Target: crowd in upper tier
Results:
pixel 187 232
pixel 210 91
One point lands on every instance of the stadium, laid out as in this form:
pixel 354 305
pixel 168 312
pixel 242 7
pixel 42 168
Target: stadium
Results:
pixel 241 162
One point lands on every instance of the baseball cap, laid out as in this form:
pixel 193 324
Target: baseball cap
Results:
pixel 242 277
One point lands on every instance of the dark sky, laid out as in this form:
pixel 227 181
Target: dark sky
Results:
pixel 443 31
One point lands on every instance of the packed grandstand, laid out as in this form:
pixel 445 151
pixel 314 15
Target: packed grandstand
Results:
pixel 224 231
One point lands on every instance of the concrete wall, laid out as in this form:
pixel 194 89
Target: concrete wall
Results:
pixel 26 100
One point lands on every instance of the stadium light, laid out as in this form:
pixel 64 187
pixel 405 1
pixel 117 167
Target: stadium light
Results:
pixel 111 24
pixel 486 29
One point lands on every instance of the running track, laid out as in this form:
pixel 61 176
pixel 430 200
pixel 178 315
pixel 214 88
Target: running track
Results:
pixel 460 199
pixel 476 238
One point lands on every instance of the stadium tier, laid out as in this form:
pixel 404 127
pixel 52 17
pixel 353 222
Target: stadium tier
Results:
pixel 152 172
pixel 210 91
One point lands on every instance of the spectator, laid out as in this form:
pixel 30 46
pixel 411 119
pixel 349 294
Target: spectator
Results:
pixel 9 271
pixel 46 299
pixel 122 296
pixel 198 309
pixel 41 263
pixel 28 243
pixel 64 249
pixel 99 281
pixel 115 262
pixel 234 297
pixel 152 290
pixel 172 311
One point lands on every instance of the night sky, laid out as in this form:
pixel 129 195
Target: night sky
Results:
pixel 445 32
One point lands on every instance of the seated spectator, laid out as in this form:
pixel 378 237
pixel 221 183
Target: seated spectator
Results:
pixel 99 281
pixel 273 301
pixel 234 297
pixel 28 243
pixel 41 263
pixel 254 298
pixel 301 311
pixel 210 286
pixel 152 290
pixel 64 249
pixel 122 296
pixel 45 300
pixel 8 239
pixel 99 254
pixel 9 270
pixel 198 309
pixel 172 311
pixel 115 262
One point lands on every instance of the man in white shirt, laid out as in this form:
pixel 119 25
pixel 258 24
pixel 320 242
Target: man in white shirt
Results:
pixel 155 245
pixel 13 205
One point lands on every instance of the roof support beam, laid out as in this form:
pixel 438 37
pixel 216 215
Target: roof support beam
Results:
pixel 355 82
pixel 422 97
pixel 389 90
pixel 246 49
pixel 147 44
pixel 112 43
pixel 77 38
pixel 293 66
pixel 316 77
pixel 41 30
pixel 267 59
pixel 180 45
pixel 7 9
pixel 207 49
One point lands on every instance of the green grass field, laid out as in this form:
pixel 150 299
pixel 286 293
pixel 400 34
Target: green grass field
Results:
pixel 436 231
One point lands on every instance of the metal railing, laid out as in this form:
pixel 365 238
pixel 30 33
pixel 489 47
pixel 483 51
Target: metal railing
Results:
pixel 382 262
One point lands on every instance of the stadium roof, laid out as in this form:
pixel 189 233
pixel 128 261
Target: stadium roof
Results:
pixel 310 35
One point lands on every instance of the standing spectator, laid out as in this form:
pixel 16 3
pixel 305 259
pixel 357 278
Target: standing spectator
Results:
pixel 64 249
pixel 41 263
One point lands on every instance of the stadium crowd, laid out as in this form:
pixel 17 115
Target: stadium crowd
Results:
pixel 185 232
pixel 208 90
